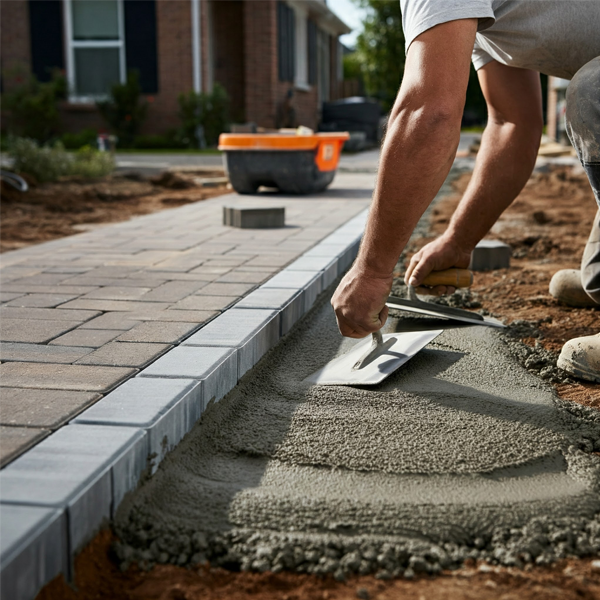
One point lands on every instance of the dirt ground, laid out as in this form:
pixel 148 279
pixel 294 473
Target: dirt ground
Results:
pixel 98 577
pixel 547 228
pixel 54 210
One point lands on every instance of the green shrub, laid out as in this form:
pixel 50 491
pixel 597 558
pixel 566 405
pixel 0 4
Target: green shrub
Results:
pixel 74 141
pixel 49 163
pixel 90 163
pixel 204 116
pixel 124 111
pixel 33 106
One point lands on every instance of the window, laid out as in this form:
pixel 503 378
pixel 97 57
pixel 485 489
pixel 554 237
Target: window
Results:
pixel 96 46
pixel 301 79
pixel 312 52
pixel 286 42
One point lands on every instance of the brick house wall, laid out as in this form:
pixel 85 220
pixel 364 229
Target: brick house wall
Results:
pixel 239 49
pixel 14 41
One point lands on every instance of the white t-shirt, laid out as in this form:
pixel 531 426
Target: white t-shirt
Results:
pixel 555 37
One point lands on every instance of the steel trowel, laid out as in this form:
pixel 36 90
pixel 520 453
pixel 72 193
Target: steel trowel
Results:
pixel 371 360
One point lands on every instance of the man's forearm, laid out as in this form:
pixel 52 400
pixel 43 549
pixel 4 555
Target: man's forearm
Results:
pixel 504 163
pixel 417 155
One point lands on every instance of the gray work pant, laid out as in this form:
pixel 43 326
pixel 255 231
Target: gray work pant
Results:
pixel 583 128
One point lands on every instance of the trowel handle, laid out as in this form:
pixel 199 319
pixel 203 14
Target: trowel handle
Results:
pixel 459 278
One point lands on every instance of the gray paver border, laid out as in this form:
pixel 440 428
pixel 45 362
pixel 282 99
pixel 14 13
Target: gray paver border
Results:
pixel 302 281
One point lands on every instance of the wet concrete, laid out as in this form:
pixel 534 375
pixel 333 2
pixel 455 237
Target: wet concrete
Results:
pixel 461 453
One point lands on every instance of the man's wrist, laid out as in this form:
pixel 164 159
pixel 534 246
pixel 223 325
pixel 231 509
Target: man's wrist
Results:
pixel 374 270
pixel 458 239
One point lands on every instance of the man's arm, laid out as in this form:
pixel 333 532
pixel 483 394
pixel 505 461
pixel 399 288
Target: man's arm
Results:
pixel 504 163
pixel 419 148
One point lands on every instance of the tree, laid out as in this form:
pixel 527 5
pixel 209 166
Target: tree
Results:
pixel 381 54
pixel 380 50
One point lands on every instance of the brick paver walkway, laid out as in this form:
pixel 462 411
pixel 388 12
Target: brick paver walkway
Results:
pixel 82 314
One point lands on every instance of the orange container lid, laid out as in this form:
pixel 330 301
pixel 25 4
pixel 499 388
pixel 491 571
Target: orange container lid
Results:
pixel 277 141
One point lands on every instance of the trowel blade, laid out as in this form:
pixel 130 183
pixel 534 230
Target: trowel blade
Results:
pixel 339 371
pixel 410 306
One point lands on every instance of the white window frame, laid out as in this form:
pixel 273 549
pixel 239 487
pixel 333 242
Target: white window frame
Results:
pixel 72 44
pixel 301 77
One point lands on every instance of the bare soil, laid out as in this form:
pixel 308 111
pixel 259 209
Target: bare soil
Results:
pixel 53 210
pixel 547 228
pixel 96 576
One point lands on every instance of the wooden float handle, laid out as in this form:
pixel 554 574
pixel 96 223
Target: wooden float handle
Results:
pixel 459 278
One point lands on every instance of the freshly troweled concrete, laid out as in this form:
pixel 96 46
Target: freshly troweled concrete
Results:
pixel 459 453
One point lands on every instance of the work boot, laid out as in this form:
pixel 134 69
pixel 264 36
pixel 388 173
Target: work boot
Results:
pixel 581 357
pixel 566 287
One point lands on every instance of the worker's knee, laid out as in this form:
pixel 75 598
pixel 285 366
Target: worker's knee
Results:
pixel 583 111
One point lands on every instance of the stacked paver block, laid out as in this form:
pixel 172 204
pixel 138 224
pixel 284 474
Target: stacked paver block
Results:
pixel 489 255
pixel 248 217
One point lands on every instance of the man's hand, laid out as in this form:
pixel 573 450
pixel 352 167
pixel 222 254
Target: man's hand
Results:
pixel 443 253
pixel 359 302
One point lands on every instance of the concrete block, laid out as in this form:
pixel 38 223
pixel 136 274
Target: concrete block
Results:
pixel 308 281
pixel 14 351
pixel 90 338
pixel 288 301
pixel 215 367
pixel 166 408
pixel 490 254
pixel 201 302
pixel 252 332
pixel 238 276
pixel 118 320
pixel 327 265
pixel 85 469
pixel 227 289
pixel 254 217
pixel 62 377
pixel 124 354
pixel 33 332
pixel 47 314
pixel 322 249
pixel 42 300
pixel 33 549
pixel 158 332
pixel 42 408
pixel 15 440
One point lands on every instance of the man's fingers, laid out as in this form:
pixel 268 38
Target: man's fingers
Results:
pixel 419 272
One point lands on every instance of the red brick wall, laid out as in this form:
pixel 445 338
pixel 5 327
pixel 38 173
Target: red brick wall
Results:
pixel 228 52
pixel 260 68
pixel 15 50
pixel 175 69
pixel 264 91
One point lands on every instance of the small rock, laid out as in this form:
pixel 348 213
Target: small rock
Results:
pixel 409 574
pixel 362 593
pixel 595 564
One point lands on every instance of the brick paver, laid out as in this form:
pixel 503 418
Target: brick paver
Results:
pixel 82 314
pixel 42 408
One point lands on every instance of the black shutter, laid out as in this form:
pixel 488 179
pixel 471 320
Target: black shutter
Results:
pixel 312 52
pixel 286 42
pixel 140 42
pixel 46 34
